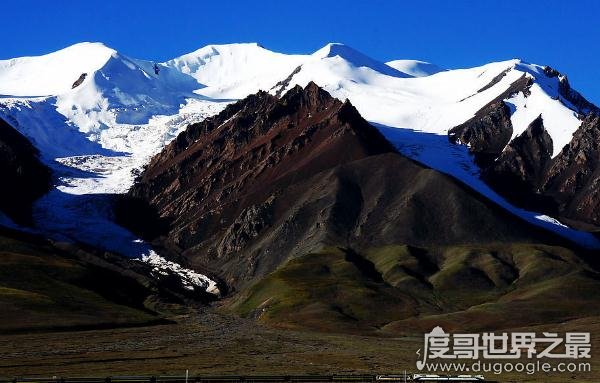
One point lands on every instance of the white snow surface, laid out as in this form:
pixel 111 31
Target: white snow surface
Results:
pixel 400 93
pixel 53 73
pixel 560 121
pixel 357 59
pixel 233 71
pixel 98 135
pixel 415 68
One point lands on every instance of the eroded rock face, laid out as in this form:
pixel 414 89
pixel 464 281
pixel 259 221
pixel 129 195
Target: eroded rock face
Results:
pixel 490 130
pixel 270 179
pixel 523 170
pixel 570 94
pixel 24 177
pixel 247 226
pixel 486 134
pixel 217 183
pixel 573 179
pixel 518 171
pixel 253 145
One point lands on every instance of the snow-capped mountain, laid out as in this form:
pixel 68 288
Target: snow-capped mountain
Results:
pixel 424 97
pixel 93 89
pixel 97 115
pixel 234 71
pixel 419 107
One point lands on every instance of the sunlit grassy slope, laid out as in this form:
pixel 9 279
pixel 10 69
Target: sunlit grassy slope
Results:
pixel 403 289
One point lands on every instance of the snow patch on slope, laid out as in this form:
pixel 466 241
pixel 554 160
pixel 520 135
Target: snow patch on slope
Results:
pixel 415 68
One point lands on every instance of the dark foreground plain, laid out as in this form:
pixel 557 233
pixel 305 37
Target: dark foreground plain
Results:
pixel 59 318
pixel 208 341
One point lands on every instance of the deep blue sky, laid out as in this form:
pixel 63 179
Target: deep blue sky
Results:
pixel 452 34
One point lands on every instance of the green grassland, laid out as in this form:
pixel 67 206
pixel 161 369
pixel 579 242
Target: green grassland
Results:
pixel 334 311
pixel 403 289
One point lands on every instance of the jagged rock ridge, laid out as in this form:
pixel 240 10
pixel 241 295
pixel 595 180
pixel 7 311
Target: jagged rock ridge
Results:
pixel 269 179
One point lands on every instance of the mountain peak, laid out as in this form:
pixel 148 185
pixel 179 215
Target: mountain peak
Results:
pixel 335 49
pixel 356 58
pixel 210 50
pixel 89 45
pixel 86 50
pixel 52 73
pixel 311 94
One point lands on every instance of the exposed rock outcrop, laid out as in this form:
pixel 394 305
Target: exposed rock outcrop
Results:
pixel 79 81
pixel 518 171
pixel 573 179
pixel 570 94
pixel 523 170
pixel 487 133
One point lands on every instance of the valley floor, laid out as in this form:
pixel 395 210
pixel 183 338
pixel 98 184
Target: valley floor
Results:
pixel 210 342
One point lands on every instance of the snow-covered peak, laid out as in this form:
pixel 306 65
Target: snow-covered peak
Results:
pixel 134 90
pixel 123 110
pixel 336 49
pixel 216 49
pixel 415 68
pixel 53 73
pixel 92 88
pixel 356 58
pixel 235 70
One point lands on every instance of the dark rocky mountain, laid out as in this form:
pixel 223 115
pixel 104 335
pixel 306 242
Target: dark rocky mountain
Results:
pixel 24 177
pixel 271 179
pixel 572 180
pixel 487 133
pixel 490 130
pixel 524 171
pixel 520 168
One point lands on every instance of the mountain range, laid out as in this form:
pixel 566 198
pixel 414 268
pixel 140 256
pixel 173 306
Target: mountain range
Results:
pixel 271 178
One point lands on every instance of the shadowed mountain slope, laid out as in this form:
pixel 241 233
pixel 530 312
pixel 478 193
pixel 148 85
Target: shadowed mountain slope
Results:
pixel 24 177
pixel 46 285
